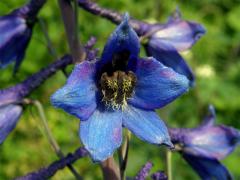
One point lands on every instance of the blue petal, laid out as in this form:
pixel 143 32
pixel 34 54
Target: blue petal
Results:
pixel 14 38
pixel 101 134
pixel 157 85
pixel 211 141
pixel 168 55
pixel 9 116
pixel 146 125
pixel 78 96
pixel 209 120
pixel 21 47
pixel 124 38
pixel 179 33
pixel 208 168
pixel 9 26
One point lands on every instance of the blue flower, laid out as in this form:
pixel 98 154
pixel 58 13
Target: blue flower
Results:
pixel 10 111
pixel 15 34
pixel 205 145
pixel 166 40
pixel 9 116
pixel 118 90
pixel 208 168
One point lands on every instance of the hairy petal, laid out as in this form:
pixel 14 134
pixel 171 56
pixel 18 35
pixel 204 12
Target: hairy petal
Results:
pixel 101 134
pixel 146 125
pixel 208 168
pixel 124 38
pixel 157 85
pixel 78 96
pixel 9 116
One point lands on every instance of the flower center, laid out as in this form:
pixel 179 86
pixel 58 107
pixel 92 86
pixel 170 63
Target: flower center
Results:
pixel 117 88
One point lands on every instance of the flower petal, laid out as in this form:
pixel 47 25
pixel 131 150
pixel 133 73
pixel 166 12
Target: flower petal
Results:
pixel 146 125
pixel 211 141
pixel 124 38
pixel 179 33
pixel 14 38
pixel 209 120
pixel 157 85
pixel 101 134
pixel 208 168
pixel 9 26
pixel 168 55
pixel 78 96
pixel 9 116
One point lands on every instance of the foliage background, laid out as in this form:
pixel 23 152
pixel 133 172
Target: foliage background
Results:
pixel 214 59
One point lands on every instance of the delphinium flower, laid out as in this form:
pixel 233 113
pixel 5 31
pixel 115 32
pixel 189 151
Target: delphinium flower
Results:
pixel 118 90
pixel 204 146
pixel 16 32
pixel 162 41
pixel 167 40
pixel 11 99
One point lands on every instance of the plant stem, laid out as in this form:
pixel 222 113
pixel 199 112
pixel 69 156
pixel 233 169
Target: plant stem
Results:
pixel 51 139
pixel 139 26
pixel 69 17
pixel 123 155
pixel 46 35
pixel 169 164
pixel 110 169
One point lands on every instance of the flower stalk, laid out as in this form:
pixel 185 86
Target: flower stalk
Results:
pixel 47 172
pixel 115 17
pixel 169 164
pixel 51 138
pixel 123 155
pixel 69 16
pixel 110 169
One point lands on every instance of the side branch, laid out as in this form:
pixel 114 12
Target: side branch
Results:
pixel 115 17
pixel 47 172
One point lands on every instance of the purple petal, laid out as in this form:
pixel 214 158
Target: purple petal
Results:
pixel 123 39
pixel 101 134
pixel 146 125
pixel 9 116
pixel 78 96
pixel 9 26
pixel 209 120
pixel 208 168
pixel 14 39
pixel 212 141
pixel 10 95
pixel 157 85
pixel 168 55
pixel 179 33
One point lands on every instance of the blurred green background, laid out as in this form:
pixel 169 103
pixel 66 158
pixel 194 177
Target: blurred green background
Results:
pixel 215 60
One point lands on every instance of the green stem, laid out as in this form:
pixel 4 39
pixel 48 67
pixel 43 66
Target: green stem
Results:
pixel 51 139
pixel 46 35
pixel 169 164
pixel 50 46
pixel 123 155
